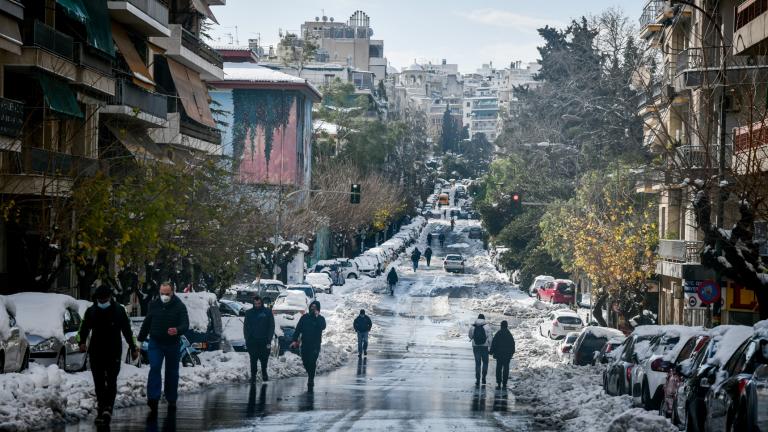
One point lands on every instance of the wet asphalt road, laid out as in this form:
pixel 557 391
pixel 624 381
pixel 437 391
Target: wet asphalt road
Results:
pixel 414 378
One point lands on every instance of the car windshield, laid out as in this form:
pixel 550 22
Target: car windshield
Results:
pixel 592 344
pixel 565 288
pixel 573 320
pixel 453 258
pixel 571 339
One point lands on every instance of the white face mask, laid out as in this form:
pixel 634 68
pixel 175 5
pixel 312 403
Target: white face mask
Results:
pixel 165 298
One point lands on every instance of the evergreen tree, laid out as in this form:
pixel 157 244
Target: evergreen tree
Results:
pixel 449 137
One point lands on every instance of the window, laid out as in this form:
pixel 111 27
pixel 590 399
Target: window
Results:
pixel 687 350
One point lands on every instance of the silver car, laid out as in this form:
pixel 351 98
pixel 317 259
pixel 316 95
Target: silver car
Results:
pixel 51 323
pixel 14 348
pixel 454 263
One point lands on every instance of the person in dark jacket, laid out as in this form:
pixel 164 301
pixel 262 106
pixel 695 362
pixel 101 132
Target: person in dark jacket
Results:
pixel 259 330
pixel 441 238
pixel 429 239
pixel 428 255
pixel 309 333
pixel 105 322
pixel 362 326
pixel 164 324
pixel 502 349
pixel 392 280
pixel 415 257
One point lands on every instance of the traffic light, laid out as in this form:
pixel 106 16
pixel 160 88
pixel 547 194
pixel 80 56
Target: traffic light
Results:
pixel 354 196
pixel 517 202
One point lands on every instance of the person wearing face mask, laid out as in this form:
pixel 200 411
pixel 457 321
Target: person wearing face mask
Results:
pixel 105 321
pixel 165 322
pixel 309 331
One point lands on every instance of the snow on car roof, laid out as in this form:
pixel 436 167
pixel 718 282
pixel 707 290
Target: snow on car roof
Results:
pixel 458 246
pixel 83 306
pixel 197 304
pixel 727 339
pixel 684 333
pixel 320 278
pixel 291 298
pixel 602 332
pixel 544 277
pixel 565 312
pixel 6 307
pixel 42 314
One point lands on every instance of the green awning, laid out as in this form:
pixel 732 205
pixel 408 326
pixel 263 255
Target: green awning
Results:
pixel 59 97
pixel 99 26
pixel 75 9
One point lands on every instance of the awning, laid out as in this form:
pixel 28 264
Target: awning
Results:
pixel 204 9
pixel 141 75
pixel 192 92
pixel 139 144
pixel 98 26
pixel 10 35
pixel 59 97
pixel 75 9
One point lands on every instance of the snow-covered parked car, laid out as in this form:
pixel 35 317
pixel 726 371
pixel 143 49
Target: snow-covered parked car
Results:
pixel 349 267
pixel 288 309
pixel 305 288
pixel 367 265
pixel 51 322
pixel 332 268
pixel 267 289
pixel 229 308
pixel 649 376
pixel 205 329
pixel 563 349
pixel 591 340
pixel 537 283
pixel 617 377
pixel 14 348
pixel 320 282
pixel 561 322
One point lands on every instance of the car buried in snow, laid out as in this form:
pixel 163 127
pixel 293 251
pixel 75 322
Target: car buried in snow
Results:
pixel 14 348
pixel 563 349
pixel 591 340
pixel 561 322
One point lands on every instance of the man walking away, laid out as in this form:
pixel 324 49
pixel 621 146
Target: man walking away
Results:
pixel 392 280
pixel 362 326
pixel 259 330
pixel 441 237
pixel 415 257
pixel 428 255
pixel 105 321
pixel 480 335
pixel 429 239
pixel 166 321
pixel 309 331
pixel 502 349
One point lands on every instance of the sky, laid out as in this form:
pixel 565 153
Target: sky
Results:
pixel 469 33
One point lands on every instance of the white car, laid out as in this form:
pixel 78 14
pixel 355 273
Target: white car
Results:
pixel 14 348
pixel 367 265
pixel 349 267
pixel 307 289
pixel 563 349
pixel 320 282
pixel 559 323
pixel 454 263
pixel 51 323
pixel 539 282
pixel 289 307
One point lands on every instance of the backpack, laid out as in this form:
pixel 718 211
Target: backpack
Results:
pixel 479 336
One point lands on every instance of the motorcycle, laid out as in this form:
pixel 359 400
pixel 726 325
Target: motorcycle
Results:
pixel 188 355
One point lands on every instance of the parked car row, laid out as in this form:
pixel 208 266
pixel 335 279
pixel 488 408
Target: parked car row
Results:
pixel 703 380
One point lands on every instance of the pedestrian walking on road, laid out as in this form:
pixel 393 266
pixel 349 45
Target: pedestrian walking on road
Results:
pixel 428 255
pixel 441 238
pixel 259 330
pixel 429 239
pixel 415 257
pixel 164 324
pixel 453 223
pixel 309 335
pixel 105 322
pixel 502 349
pixel 480 335
pixel 392 280
pixel 362 326
pixel 445 214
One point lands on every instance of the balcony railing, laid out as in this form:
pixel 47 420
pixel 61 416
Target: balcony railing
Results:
pixel 50 39
pixel 11 117
pixel 158 10
pixel 683 251
pixel 694 156
pixel 131 95
pixel 92 59
pixel 194 44
pixel 40 161
pixel 748 11
pixel 187 126
pixel 651 11
pixel 698 58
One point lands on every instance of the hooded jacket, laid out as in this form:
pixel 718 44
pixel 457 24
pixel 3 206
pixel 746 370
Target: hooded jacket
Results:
pixel 310 330
pixel 503 344
pixel 488 335
pixel 392 276
pixel 161 317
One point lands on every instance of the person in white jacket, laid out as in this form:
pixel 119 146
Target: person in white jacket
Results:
pixel 480 334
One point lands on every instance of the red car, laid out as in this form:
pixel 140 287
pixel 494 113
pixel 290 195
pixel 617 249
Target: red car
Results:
pixel 678 372
pixel 557 291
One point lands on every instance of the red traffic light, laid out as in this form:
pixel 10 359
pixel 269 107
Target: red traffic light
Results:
pixel 515 197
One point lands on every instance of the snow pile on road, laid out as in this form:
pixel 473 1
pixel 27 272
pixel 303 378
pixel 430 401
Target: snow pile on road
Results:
pixel 640 420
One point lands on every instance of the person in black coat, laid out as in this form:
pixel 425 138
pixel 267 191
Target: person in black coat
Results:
pixel 164 324
pixel 429 239
pixel 392 280
pixel 309 333
pixel 259 330
pixel 415 257
pixel 105 322
pixel 428 255
pixel 362 325
pixel 502 349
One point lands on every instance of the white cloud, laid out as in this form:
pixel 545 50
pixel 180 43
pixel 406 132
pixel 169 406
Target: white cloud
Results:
pixel 503 18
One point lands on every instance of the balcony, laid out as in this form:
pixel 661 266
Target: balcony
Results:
pixel 187 49
pixel 680 251
pixel 148 17
pixel 181 131
pixel 650 20
pixel 48 49
pixel 134 103
pixel 697 157
pixel 95 70
pixel 44 162
pixel 11 117
pixel 52 40
pixel 751 27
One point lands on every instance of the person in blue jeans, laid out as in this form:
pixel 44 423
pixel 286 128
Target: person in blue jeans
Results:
pixel 166 321
pixel 362 325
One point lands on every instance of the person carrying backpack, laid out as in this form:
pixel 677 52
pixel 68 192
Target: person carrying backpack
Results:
pixel 480 335
pixel 502 349
pixel 392 280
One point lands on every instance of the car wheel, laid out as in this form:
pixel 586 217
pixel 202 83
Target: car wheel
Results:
pixel 25 362
pixel 2 363
pixel 61 361
pixel 196 360
pixel 354 276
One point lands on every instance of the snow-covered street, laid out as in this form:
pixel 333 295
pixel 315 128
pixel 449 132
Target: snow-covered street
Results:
pixel 419 374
